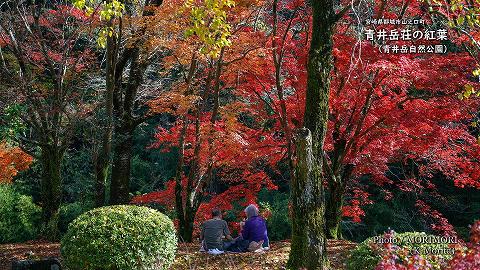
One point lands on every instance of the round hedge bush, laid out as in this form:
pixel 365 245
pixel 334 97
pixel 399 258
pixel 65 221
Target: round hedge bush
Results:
pixel 368 254
pixel 120 237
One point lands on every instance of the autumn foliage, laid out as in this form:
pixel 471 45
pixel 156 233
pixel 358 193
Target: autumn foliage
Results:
pixel 12 161
pixel 468 257
pixel 465 257
pixel 215 146
pixel 385 109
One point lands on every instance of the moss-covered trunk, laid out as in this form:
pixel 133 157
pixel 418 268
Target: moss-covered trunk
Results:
pixel 186 219
pixel 51 191
pixel 308 198
pixel 122 156
pixel 102 164
pixel 338 179
pixel 333 212
pixel 308 248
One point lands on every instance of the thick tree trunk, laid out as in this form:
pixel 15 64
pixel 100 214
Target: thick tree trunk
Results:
pixel 51 191
pixel 333 212
pixel 123 107
pixel 122 156
pixel 319 67
pixel 308 228
pixel 308 198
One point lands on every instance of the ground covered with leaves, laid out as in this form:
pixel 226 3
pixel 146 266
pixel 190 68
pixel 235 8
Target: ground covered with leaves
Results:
pixel 188 256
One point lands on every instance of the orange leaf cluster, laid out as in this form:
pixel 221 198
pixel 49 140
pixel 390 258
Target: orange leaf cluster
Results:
pixel 12 160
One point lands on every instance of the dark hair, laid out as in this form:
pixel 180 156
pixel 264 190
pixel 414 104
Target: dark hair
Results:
pixel 216 212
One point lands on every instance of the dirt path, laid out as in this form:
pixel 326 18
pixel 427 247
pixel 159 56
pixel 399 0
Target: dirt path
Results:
pixel 188 256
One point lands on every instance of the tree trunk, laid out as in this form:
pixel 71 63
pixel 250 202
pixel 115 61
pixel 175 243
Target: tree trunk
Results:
pixel 102 157
pixel 123 102
pixel 319 67
pixel 308 198
pixel 333 212
pixel 122 156
pixel 308 242
pixel 123 107
pixel 184 231
pixel 187 232
pixel 51 191
pixel 337 186
pixel 101 174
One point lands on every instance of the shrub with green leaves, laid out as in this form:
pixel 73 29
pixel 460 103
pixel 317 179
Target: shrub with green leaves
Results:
pixel 278 222
pixel 120 237
pixel 19 216
pixel 370 252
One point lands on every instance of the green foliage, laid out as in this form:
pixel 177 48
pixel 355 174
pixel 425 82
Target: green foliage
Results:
pixel 397 213
pixel 151 168
pixel 469 90
pixel 278 223
pixel 77 173
pixel 368 254
pixel 13 123
pixel 401 214
pixel 69 212
pixel 109 9
pixel 78 176
pixel 19 216
pixel 120 237
pixel 363 257
pixel 148 174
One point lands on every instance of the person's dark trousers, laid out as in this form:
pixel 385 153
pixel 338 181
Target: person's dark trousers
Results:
pixel 237 245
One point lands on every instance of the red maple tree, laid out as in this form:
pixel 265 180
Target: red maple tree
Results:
pixel 212 142
pixel 384 108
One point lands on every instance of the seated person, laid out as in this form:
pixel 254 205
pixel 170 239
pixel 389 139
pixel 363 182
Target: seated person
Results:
pixel 254 229
pixel 213 231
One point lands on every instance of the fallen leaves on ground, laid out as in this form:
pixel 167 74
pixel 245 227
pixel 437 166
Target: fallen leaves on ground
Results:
pixel 188 256
pixel 23 251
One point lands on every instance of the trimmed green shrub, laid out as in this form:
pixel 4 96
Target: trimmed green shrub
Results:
pixel 19 216
pixel 368 254
pixel 120 237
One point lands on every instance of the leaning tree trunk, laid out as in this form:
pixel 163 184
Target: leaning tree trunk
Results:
pixel 308 198
pixel 51 191
pixel 308 242
pixel 120 182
